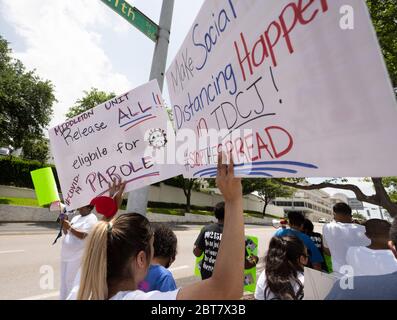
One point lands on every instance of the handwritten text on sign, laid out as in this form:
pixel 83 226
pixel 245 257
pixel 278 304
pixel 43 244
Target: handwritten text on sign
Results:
pixel 111 142
pixel 307 97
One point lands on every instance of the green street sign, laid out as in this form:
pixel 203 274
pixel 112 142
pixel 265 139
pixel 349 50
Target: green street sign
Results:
pixel 135 17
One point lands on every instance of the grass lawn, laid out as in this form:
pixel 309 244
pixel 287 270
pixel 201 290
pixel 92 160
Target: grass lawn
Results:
pixel 202 212
pixel 260 215
pixel 175 212
pixel 19 201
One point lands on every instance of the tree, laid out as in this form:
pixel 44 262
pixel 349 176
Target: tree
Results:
pixel 187 185
pixel 37 149
pixel 272 190
pixel 268 189
pixel 90 100
pixel 359 216
pixel 25 101
pixel 380 198
pixel 390 183
pixel 383 14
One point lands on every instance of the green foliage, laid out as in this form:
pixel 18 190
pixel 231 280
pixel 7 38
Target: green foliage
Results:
pixel 16 172
pixel 390 183
pixel 90 100
pixel 359 216
pixel 25 101
pixel 26 202
pixel 384 19
pixel 37 149
pixel 268 188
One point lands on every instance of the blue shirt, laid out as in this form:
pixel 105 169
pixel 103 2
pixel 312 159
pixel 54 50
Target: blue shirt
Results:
pixel 314 253
pixel 158 278
pixel 383 287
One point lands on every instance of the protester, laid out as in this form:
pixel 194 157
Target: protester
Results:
pixel 107 206
pixel 317 238
pixel 377 258
pixel 341 234
pixel 379 287
pixel 73 246
pixel 118 254
pixel 296 220
pixel 159 277
pixel 208 242
pixel 283 277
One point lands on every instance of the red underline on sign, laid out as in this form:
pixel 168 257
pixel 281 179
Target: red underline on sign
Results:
pixel 135 124
pixel 153 174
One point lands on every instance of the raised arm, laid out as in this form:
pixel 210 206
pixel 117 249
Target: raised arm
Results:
pixel 228 276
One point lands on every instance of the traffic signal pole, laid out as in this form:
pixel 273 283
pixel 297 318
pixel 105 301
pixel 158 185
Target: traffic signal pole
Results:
pixel 138 199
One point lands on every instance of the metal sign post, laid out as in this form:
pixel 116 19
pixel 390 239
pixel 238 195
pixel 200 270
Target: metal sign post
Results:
pixel 137 199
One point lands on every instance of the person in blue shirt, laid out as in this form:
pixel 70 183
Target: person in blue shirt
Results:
pixel 296 221
pixel 159 277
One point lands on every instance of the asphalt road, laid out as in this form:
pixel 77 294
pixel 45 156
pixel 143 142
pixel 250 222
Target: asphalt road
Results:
pixel 30 265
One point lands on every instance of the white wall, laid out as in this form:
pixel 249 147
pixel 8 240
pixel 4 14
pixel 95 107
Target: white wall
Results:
pixel 35 214
pixel 169 194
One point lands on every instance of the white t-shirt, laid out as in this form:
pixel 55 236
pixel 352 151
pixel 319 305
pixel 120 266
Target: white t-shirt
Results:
pixel 368 262
pixel 140 295
pixel 73 247
pixel 339 237
pixel 128 295
pixel 262 283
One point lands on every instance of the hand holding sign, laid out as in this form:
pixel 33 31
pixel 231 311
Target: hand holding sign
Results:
pixel 116 191
pixel 228 184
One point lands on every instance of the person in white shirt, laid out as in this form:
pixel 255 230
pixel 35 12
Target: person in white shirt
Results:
pixel 341 234
pixel 72 249
pixel 377 258
pixel 283 277
pixel 119 252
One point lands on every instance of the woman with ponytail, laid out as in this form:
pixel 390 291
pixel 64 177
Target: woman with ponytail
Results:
pixel 283 278
pixel 118 254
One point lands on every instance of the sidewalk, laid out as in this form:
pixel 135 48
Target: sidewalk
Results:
pixel 32 228
pixel 21 228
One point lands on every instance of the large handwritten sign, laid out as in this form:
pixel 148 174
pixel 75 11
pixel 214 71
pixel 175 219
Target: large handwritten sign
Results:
pixel 307 96
pixel 115 140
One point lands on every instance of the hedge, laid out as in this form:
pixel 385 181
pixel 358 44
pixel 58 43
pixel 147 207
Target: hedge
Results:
pixel 16 172
pixel 170 205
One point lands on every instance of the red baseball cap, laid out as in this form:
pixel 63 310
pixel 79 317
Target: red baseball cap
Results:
pixel 105 205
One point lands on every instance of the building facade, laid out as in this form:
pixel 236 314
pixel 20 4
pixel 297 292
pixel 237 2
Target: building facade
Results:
pixel 314 204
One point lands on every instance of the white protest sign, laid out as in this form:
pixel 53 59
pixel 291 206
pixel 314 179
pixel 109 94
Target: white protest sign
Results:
pixel 119 139
pixel 317 284
pixel 306 95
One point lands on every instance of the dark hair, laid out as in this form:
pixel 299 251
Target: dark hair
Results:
pixel 377 228
pixel 282 267
pixel 108 253
pixel 219 210
pixel 393 232
pixel 308 225
pixel 165 242
pixel 342 208
pixel 296 218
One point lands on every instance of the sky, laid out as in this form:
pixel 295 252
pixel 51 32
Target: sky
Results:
pixel 83 44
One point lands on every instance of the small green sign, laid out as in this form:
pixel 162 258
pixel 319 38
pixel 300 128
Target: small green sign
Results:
pixel 135 17
pixel 45 186
pixel 251 249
